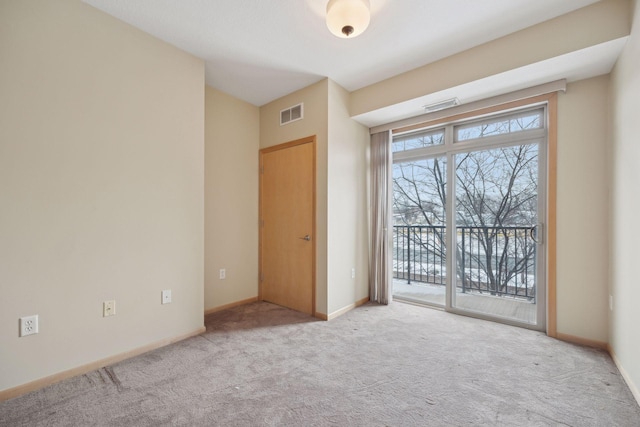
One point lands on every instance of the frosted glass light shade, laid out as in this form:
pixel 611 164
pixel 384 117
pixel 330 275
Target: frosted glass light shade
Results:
pixel 348 18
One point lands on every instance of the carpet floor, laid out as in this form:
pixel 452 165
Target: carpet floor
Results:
pixel 396 365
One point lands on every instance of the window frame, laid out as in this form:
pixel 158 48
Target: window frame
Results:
pixel 497 117
pixel 451 145
pixel 548 101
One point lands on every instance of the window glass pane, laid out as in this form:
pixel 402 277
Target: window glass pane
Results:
pixel 495 235
pixel 419 192
pixel 499 126
pixel 496 200
pixel 411 141
pixel 419 252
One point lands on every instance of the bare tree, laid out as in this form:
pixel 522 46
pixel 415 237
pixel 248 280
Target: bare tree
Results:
pixel 419 200
pixel 496 200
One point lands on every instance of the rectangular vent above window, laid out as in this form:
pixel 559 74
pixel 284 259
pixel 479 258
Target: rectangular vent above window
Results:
pixel 291 114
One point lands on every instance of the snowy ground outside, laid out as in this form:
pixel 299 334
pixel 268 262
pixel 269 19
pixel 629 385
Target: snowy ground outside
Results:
pixel 519 281
pixel 506 307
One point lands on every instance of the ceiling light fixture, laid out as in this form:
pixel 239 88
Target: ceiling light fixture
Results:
pixel 348 18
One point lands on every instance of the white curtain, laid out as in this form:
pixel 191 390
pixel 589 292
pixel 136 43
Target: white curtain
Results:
pixel 380 262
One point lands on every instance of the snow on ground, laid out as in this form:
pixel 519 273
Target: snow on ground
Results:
pixel 474 274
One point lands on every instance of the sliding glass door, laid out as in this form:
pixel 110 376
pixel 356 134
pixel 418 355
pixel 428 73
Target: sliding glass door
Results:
pixel 496 228
pixel 480 250
pixel 419 232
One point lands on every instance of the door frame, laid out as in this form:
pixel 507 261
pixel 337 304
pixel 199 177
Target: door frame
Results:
pixel 307 140
pixel 550 229
pixel 541 249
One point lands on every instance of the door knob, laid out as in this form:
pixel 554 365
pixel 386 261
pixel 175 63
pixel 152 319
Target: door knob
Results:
pixel 307 238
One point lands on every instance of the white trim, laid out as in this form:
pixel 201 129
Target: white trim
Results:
pixel 555 86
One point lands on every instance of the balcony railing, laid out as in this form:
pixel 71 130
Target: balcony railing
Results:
pixel 493 260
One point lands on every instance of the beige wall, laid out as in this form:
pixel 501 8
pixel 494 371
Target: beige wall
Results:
pixel 102 182
pixel 601 22
pixel 315 122
pixel 341 193
pixel 583 210
pixel 583 191
pixel 347 239
pixel 232 133
pixel 625 205
pixel 101 187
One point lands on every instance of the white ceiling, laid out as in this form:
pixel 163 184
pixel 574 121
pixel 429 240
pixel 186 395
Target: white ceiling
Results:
pixel 260 50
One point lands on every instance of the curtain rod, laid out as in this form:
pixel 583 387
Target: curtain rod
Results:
pixel 543 89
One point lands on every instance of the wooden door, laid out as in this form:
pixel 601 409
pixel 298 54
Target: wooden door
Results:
pixel 287 232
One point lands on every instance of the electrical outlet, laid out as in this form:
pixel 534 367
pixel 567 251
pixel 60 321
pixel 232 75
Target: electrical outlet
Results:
pixel 353 273
pixel 166 296
pixel 108 308
pixel 223 274
pixel 28 325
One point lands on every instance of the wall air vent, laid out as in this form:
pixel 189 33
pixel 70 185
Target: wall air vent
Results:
pixel 441 105
pixel 291 114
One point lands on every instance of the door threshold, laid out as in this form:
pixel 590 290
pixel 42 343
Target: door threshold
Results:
pixel 419 303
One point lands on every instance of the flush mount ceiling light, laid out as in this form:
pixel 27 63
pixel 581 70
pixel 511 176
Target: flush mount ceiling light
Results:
pixel 348 18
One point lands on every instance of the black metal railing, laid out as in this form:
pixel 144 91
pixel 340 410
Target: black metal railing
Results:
pixel 419 253
pixel 493 260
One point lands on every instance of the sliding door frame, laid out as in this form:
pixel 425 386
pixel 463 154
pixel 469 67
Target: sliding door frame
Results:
pixel 549 181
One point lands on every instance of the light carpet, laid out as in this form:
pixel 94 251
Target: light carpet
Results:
pixel 397 365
